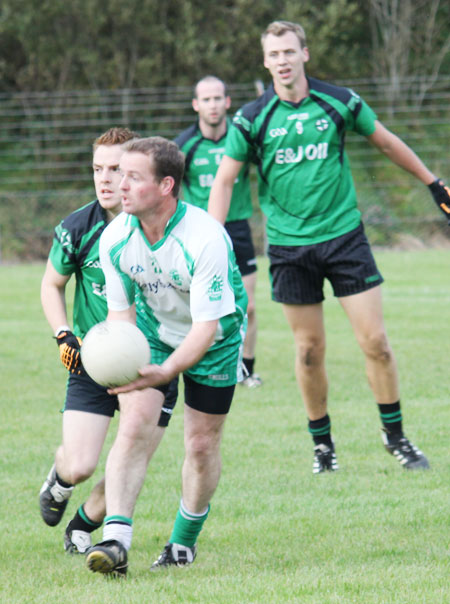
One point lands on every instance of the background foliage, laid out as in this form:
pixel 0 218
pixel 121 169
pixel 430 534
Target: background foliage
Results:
pixel 70 70
pixel 60 45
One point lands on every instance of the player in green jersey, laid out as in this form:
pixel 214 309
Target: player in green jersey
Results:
pixel 88 407
pixel 203 145
pixel 169 267
pixel 296 132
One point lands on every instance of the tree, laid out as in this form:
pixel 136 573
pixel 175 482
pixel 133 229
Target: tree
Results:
pixel 410 45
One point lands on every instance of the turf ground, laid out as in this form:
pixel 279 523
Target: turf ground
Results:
pixel 370 534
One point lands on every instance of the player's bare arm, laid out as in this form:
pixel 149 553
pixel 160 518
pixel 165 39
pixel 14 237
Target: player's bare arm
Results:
pixel 399 153
pixel 222 189
pixel 53 298
pixel 189 352
pixel 123 315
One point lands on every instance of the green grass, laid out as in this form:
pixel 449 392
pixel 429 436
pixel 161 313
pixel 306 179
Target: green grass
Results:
pixel 369 534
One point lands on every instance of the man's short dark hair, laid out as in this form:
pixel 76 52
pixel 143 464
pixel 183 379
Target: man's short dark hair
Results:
pixel 168 160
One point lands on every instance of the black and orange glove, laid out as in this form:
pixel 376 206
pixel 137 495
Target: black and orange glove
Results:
pixel 69 350
pixel 441 196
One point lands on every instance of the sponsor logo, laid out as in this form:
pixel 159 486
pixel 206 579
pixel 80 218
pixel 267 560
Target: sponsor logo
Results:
pixel 295 156
pixel 298 116
pixel 219 150
pixel 201 161
pixel 215 288
pixel 206 180
pixel 93 264
pixel 220 377
pixel 136 269
pixel 156 286
pixel 99 289
pixel 277 132
pixel 322 125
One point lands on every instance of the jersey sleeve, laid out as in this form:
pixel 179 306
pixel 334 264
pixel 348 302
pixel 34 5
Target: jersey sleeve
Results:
pixel 211 293
pixel 119 287
pixel 365 119
pixel 238 144
pixel 62 253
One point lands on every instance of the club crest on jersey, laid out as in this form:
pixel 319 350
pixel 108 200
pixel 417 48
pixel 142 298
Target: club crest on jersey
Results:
pixel 322 125
pixel 215 288
pixel 175 276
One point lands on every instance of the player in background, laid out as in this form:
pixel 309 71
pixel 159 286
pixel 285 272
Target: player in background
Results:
pixel 170 268
pixel 296 130
pixel 88 407
pixel 203 144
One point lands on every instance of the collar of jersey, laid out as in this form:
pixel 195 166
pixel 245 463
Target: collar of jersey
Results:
pixel 291 103
pixel 171 224
pixel 199 132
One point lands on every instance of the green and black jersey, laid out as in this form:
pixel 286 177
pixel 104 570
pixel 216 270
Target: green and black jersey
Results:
pixel 202 159
pixel 75 251
pixel 305 185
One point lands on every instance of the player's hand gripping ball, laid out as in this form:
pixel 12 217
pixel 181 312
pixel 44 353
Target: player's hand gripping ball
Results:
pixel 113 352
pixel 441 196
pixel 69 351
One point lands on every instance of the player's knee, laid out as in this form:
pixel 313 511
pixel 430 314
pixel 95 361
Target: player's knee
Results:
pixel 376 347
pixel 311 354
pixel 81 469
pixel 200 447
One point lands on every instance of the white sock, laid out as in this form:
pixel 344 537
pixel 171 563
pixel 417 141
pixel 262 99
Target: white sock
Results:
pixel 118 531
pixel 60 493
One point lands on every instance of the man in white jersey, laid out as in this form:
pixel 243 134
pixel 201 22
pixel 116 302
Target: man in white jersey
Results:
pixel 170 268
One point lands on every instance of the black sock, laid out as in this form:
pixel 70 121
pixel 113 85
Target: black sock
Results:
pixel 81 522
pixel 321 430
pixel 62 482
pixel 391 417
pixel 249 364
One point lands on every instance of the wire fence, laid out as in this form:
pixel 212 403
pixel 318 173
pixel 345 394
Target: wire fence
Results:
pixel 46 153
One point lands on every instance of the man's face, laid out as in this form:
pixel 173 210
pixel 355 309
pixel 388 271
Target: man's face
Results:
pixel 285 59
pixel 107 176
pixel 141 192
pixel 211 103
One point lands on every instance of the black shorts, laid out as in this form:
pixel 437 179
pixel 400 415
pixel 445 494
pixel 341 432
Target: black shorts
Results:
pixel 208 399
pixel 83 394
pixel 241 236
pixel 298 272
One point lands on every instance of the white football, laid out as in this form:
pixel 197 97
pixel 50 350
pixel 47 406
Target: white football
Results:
pixel 113 351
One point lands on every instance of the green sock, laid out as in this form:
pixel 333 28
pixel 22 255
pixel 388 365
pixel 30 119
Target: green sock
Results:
pixel 187 526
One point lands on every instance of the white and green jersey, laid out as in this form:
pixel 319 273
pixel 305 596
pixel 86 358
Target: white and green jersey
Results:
pixel 202 159
pixel 305 184
pixel 190 275
pixel 75 251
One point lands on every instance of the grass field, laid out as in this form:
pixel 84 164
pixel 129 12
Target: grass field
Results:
pixel 370 534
